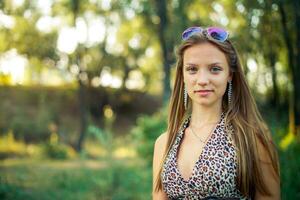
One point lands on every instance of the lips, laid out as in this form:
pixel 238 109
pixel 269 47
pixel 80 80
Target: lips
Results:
pixel 203 93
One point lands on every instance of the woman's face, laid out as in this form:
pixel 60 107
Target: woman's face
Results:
pixel 205 73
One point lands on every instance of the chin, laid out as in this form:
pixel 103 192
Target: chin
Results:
pixel 206 102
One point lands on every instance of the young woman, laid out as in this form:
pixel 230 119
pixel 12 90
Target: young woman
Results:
pixel 217 144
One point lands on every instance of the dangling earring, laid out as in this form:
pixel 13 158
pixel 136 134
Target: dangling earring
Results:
pixel 185 98
pixel 229 92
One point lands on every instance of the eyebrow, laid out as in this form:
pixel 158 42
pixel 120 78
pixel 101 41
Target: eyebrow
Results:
pixel 216 63
pixel 211 64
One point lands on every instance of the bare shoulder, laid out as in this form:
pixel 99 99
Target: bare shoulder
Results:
pixel 159 150
pixel 160 146
pixel 161 140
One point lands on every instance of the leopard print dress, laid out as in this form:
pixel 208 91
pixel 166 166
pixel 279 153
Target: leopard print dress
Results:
pixel 214 173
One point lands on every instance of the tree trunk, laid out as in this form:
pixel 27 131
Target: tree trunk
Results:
pixel 183 22
pixel 297 69
pixel 125 76
pixel 291 63
pixel 75 5
pixel 161 8
pixel 82 113
pixel 275 96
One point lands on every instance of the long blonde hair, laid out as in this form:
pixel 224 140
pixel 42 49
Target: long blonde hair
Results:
pixel 244 118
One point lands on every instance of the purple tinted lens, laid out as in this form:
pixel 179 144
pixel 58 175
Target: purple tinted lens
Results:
pixel 217 33
pixel 190 31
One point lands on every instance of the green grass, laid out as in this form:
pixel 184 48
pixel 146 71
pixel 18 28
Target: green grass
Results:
pixel 290 172
pixel 79 179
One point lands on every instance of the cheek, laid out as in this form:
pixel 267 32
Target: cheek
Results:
pixel 189 81
pixel 222 87
pixel 186 77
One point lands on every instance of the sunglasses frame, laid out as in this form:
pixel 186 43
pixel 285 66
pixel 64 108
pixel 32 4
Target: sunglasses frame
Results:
pixel 206 31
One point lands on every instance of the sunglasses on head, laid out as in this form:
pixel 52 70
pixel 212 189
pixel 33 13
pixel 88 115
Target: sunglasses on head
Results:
pixel 213 33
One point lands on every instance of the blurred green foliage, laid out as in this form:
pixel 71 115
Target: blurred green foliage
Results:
pixel 56 150
pixel 290 172
pixel 147 129
pixel 31 112
pixel 9 191
pixel 33 181
pixel 32 129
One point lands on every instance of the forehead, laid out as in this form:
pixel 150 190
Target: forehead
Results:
pixel 204 53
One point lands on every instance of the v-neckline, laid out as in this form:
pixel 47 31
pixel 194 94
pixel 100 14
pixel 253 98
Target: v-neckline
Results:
pixel 180 137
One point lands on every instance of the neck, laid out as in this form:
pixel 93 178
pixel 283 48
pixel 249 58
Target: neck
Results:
pixel 203 115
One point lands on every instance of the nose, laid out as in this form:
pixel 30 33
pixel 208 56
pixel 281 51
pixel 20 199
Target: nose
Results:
pixel 202 78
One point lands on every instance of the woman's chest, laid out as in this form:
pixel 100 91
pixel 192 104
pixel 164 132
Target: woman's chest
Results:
pixel 213 173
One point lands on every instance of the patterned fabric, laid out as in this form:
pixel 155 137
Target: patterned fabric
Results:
pixel 214 173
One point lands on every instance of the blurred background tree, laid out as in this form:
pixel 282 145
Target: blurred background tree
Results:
pixel 68 67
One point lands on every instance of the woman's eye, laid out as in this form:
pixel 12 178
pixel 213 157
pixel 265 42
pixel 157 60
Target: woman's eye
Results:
pixel 192 69
pixel 215 69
